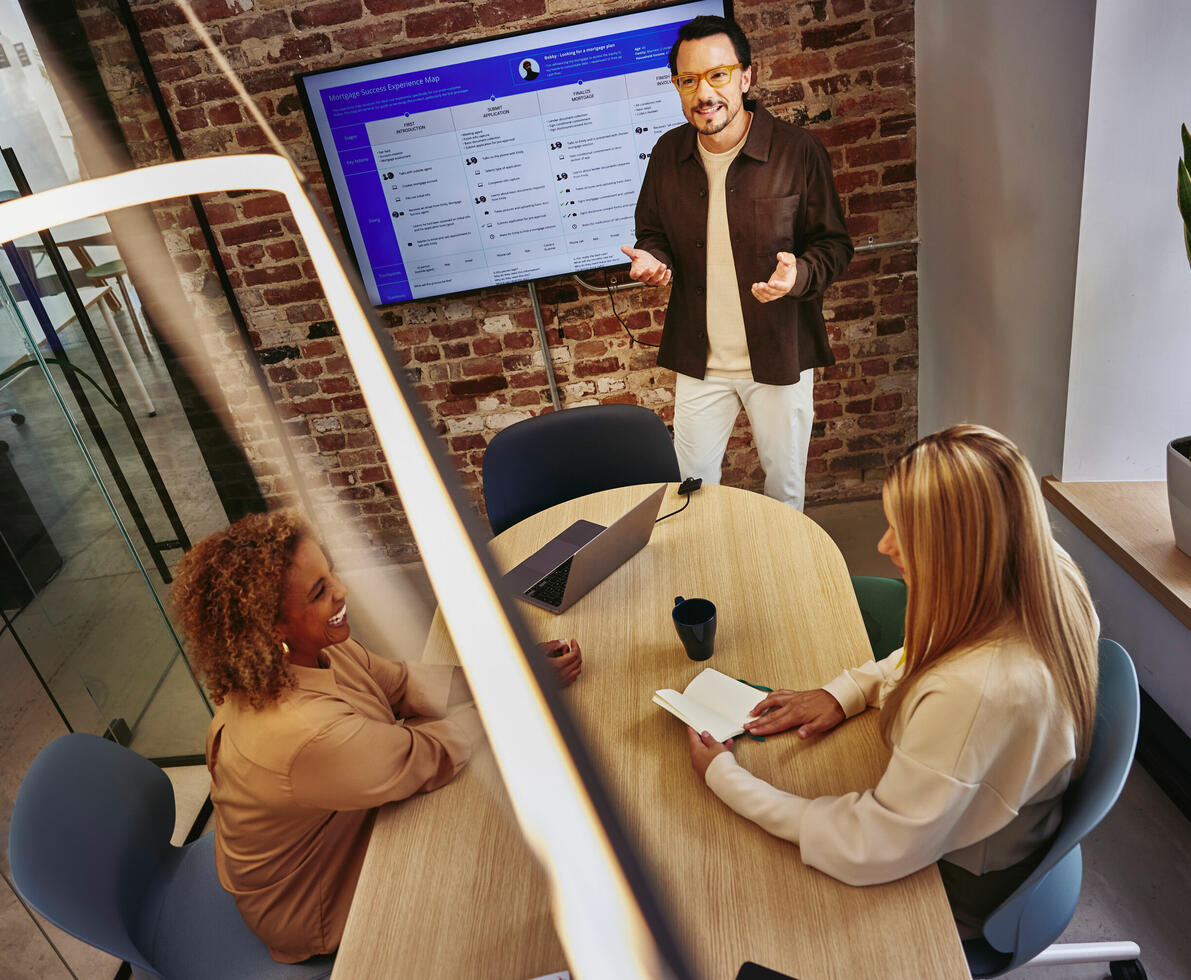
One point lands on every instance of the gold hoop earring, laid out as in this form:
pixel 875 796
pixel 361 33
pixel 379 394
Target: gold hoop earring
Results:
pixel 285 648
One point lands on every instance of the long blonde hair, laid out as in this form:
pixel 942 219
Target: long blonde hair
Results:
pixel 980 563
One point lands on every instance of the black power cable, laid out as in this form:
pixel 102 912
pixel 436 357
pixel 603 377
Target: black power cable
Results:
pixel 608 283
pixel 686 488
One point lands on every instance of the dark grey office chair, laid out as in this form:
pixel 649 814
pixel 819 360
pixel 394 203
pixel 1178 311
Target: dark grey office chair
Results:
pixel 1021 929
pixel 89 848
pixel 559 456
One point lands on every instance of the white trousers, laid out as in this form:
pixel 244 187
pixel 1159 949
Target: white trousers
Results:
pixel 781 415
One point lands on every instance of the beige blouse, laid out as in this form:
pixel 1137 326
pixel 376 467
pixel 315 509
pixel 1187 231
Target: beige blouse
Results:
pixel 295 786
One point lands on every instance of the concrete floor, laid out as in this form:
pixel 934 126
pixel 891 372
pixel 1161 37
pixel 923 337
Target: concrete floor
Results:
pixel 1137 864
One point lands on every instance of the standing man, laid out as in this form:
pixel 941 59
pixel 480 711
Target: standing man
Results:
pixel 723 200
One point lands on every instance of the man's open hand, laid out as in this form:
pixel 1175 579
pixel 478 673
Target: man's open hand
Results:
pixel 646 268
pixel 781 282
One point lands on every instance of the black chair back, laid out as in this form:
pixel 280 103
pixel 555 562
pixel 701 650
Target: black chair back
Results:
pixel 559 456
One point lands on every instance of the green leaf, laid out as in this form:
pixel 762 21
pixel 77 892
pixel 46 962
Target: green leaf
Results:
pixel 1185 193
pixel 1187 242
pixel 1186 146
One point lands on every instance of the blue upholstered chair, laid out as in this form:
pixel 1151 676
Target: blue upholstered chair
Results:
pixel 559 456
pixel 1022 927
pixel 89 847
pixel 882 604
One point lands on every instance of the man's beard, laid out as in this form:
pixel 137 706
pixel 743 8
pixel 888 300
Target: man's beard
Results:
pixel 711 127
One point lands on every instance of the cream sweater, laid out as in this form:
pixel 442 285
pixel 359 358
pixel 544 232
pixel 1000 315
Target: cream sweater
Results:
pixel 727 347
pixel 982 752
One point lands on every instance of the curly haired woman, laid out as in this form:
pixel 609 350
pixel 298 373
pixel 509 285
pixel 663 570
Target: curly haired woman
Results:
pixel 988 709
pixel 306 742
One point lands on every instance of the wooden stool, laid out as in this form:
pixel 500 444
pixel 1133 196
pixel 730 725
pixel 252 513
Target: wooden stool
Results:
pixel 116 269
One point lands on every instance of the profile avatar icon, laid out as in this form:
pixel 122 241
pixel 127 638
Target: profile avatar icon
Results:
pixel 529 69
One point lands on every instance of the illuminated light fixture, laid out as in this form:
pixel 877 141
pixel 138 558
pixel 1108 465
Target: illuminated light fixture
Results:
pixel 599 920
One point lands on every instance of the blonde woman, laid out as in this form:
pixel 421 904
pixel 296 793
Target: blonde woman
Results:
pixel 988 709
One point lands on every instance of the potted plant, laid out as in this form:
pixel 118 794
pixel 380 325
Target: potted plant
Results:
pixel 1178 452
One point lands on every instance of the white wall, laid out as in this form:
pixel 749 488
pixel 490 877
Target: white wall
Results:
pixel 1130 390
pixel 1159 644
pixel 1002 110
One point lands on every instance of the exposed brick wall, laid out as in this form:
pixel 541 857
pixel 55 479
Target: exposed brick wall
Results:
pixel 844 68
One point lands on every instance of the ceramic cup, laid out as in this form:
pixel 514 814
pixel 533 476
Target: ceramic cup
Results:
pixel 694 619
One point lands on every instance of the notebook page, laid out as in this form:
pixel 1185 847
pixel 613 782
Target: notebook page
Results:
pixel 729 697
pixel 700 717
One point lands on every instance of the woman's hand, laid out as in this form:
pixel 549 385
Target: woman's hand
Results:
pixel 811 712
pixel 704 748
pixel 565 657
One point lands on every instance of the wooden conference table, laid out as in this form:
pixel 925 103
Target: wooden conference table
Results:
pixel 449 889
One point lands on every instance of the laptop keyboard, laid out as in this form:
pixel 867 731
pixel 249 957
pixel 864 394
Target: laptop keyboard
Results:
pixel 550 588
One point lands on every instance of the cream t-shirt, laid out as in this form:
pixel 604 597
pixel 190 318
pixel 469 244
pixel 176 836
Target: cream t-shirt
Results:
pixel 727 347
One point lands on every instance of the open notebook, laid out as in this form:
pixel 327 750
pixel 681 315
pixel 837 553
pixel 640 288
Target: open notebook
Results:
pixel 712 702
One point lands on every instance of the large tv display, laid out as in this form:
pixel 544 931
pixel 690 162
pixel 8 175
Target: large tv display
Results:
pixel 500 160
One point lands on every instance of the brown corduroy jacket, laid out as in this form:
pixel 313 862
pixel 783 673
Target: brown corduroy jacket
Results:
pixel 781 197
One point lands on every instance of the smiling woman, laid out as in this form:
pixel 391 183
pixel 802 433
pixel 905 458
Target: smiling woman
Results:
pixel 306 741
pixel 313 732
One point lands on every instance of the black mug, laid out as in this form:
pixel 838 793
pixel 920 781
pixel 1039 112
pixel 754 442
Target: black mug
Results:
pixel 695 621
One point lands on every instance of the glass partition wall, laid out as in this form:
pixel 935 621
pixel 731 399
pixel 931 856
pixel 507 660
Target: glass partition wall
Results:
pixel 80 604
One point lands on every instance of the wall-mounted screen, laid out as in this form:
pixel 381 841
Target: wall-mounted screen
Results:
pixel 497 161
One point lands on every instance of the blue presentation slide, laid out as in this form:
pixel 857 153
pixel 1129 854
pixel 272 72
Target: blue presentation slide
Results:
pixel 498 162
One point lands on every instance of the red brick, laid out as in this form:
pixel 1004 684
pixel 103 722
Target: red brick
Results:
pixel 834 36
pixel 897 125
pixel 250 232
pixel 249 256
pixel 227 114
pixel 902 74
pixel 846 132
pixel 803 65
pixel 849 180
pixel 203 91
pixel 879 201
pixel 170 70
pixel 502 12
pixel 894 22
pixel 870 54
pixel 853 311
pixel 336 386
pixel 901 148
pixel 348 403
pixel 902 173
pixel 271 274
pixel 327 14
pixel 275 23
pixel 258 207
pixel 292 294
pixel 220 212
pixel 874 367
pixel 251 136
pixel 191 118
pixel 365 35
pixel 480 367
pixel 444 19
pixel 297 48
pixel 392 6
pixel 279 251
pixel 846 8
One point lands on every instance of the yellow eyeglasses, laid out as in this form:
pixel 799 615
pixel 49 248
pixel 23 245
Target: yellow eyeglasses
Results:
pixel 716 78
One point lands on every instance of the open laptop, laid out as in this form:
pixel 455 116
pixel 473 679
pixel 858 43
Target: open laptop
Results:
pixel 570 565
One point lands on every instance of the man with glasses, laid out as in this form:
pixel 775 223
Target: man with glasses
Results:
pixel 741 209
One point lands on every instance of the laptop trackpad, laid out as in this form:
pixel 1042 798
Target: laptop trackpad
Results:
pixel 547 558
